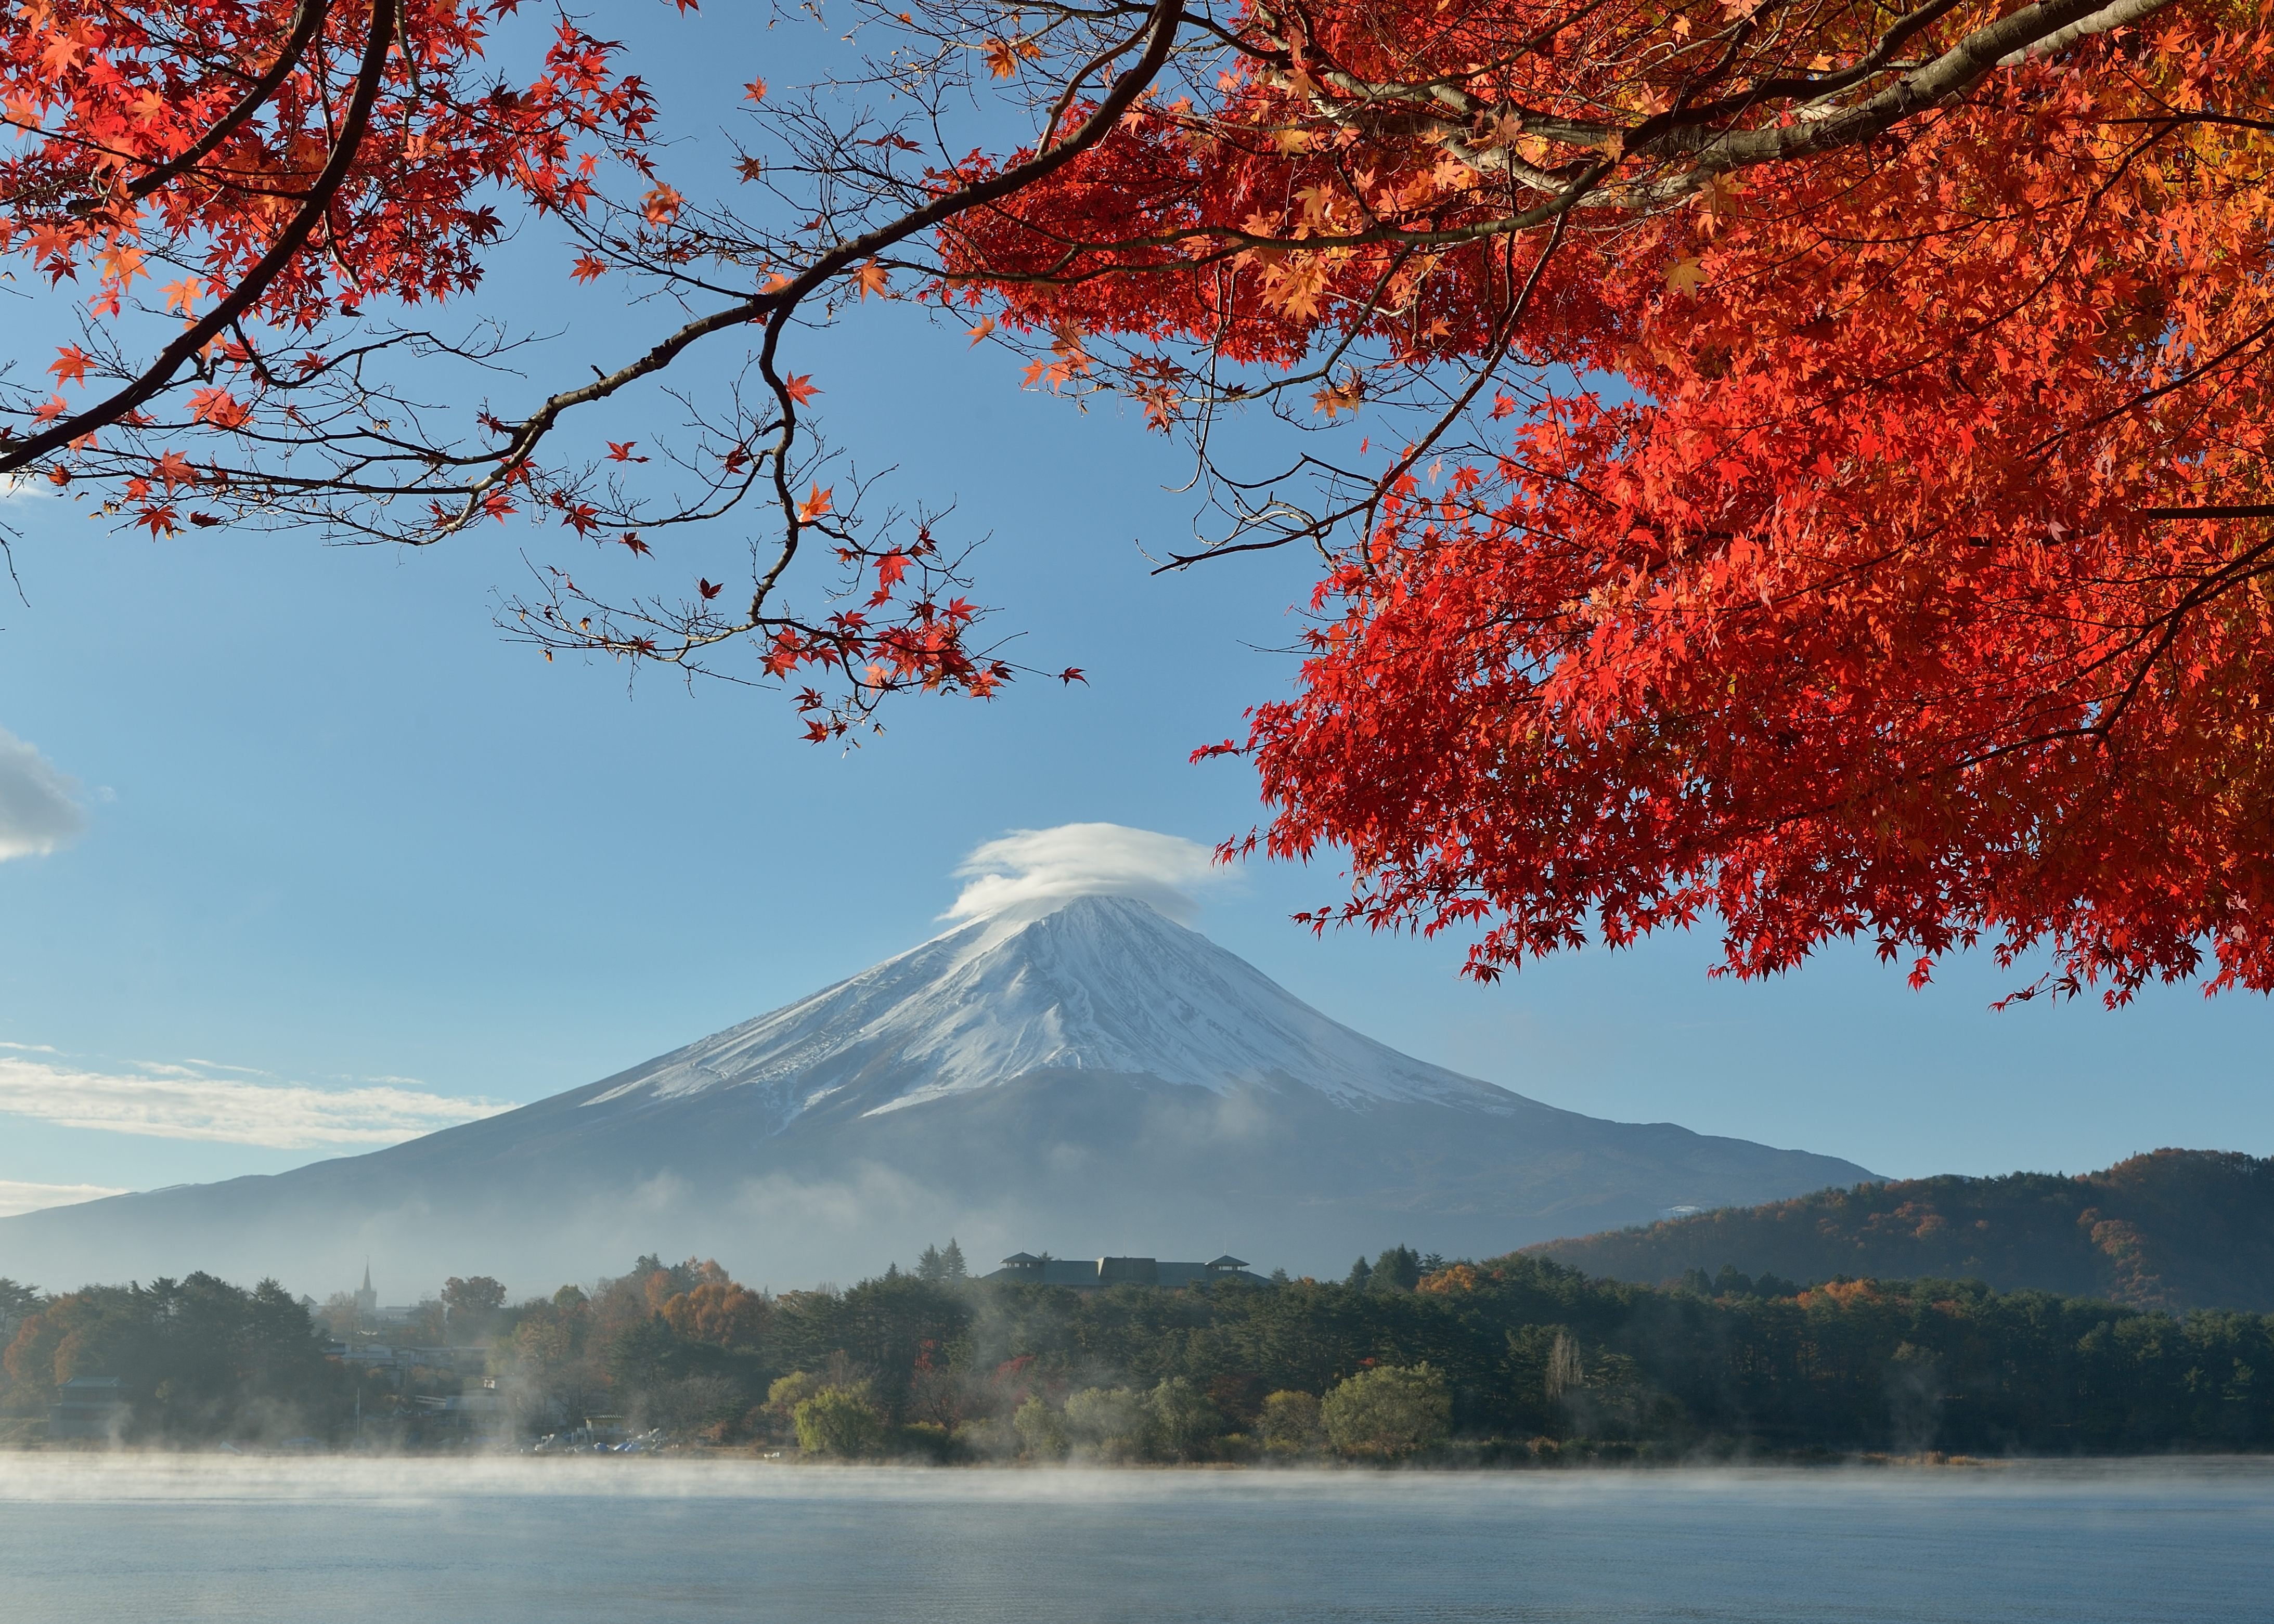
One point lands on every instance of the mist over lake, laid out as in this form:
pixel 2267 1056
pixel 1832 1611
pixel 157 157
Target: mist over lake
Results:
pixel 159 1538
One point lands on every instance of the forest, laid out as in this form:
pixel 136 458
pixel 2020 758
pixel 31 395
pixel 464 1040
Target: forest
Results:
pixel 1515 1360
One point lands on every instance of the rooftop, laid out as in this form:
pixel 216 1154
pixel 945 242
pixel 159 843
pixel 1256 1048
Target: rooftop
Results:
pixel 1095 1273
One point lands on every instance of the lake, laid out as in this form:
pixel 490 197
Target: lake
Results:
pixel 92 1539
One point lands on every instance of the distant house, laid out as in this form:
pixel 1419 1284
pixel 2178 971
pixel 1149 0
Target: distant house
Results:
pixel 89 1407
pixel 1023 1267
pixel 481 1410
pixel 396 1363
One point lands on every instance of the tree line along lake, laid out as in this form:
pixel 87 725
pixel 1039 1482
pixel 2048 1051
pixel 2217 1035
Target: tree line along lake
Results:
pixel 1514 1361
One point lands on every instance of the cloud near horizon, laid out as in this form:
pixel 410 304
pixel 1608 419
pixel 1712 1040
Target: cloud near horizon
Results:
pixel 1040 865
pixel 38 811
pixel 187 1102
pixel 18 1197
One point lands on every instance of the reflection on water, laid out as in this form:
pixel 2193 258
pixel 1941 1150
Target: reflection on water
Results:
pixel 516 1542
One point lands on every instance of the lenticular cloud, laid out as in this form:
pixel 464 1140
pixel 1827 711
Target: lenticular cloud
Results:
pixel 1038 868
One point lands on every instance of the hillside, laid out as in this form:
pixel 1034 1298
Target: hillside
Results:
pixel 2173 1229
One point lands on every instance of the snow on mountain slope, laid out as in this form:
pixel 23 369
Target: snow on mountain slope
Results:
pixel 1101 984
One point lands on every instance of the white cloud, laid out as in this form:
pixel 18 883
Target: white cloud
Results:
pixel 25 488
pixel 186 1101
pixel 1043 865
pixel 37 810
pixel 17 1197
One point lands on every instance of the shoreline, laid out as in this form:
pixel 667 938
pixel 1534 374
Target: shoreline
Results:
pixel 1321 1466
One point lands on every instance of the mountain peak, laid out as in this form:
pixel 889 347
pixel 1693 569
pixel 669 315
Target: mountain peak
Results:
pixel 1098 981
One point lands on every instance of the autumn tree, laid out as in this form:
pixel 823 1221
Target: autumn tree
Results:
pixel 1185 1422
pixel 196 1358
pixel 1291 1421
pixel 1819 472
pixel 840 1422
pixel 1787 461
pixel 730 1315
pixel 1388 1411
pixel 470 1303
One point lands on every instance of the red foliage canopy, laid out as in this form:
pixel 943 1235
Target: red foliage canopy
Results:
pixel 1874 538
pixel 1809 465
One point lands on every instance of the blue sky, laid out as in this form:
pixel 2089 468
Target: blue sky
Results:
pixel 342 843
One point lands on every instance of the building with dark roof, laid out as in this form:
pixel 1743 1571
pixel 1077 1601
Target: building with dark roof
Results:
pixel 89 1407
pixel 1096 1274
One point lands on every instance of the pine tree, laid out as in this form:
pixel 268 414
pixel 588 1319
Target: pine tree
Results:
pixel 951 1261
pixel 1360 1272
pixel 1397 1269
pixel 931 1266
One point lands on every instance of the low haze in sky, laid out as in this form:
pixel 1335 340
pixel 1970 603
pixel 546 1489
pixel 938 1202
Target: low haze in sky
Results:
pixel 299 856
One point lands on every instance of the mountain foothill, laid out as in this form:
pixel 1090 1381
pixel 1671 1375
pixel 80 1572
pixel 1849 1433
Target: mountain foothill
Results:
pixel 2172 1230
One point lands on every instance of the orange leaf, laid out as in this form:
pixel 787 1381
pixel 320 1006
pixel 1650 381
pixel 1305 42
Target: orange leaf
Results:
pixel 219 408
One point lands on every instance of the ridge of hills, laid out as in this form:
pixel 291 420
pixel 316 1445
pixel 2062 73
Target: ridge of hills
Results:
pixel 1090 1078
pixel 2172 1230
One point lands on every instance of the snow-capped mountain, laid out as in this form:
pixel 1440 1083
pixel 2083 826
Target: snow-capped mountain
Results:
pixel 1085 1076
pixel 1098 984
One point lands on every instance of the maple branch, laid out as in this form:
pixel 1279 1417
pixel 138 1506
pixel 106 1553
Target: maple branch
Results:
pixel 20 453
pixel 1949 76
pixel 2105 20
pixel 776 307
pixel 1697 134
pixel 2242 510
pixel 308 22
pixel 1319 528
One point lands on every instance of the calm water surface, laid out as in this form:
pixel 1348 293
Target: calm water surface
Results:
pixel 91 1540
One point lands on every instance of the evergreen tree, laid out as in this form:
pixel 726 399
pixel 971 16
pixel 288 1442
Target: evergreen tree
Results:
pixel 17 1303
pixel 1361 1272
pixel 931 1266
pixel 1731 1282
pixel 952 1261
pixel 1398 1269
